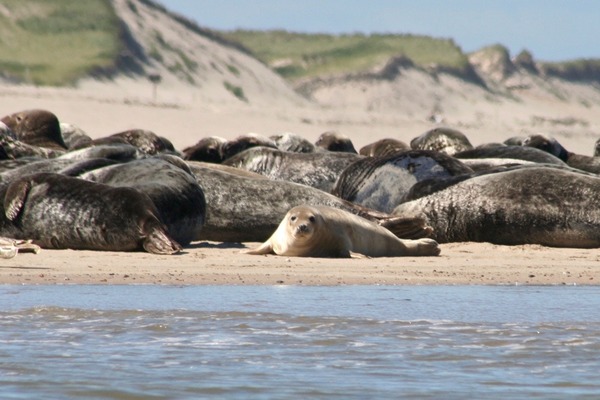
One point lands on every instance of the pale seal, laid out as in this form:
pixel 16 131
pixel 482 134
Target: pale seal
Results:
pixel 62 212
pixel 544 205
pixel 318 231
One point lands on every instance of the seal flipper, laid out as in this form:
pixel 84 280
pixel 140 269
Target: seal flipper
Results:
pixel 158 242
pixel 265 248
pixel 15 198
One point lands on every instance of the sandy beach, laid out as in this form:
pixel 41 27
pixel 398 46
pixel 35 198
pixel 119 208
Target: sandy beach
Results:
pixel 104 109
pixel 209 263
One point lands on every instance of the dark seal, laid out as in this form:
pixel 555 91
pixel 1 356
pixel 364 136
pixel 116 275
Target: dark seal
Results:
pixel 61 212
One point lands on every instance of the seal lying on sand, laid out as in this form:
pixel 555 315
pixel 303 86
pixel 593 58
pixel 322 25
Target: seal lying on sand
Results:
pixel 319 231
pixel 169 183
pixel 61 212
pixel 550 206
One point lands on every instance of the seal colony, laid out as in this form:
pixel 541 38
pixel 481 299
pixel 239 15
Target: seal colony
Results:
pixel 133 191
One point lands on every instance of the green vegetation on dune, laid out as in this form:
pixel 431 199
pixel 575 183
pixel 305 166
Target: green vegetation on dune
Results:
pixel 299 55
pixel 55 42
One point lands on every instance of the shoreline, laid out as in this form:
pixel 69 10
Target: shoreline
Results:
pixel 211 263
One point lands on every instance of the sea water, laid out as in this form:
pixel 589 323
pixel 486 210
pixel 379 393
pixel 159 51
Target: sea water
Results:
pixel 292 342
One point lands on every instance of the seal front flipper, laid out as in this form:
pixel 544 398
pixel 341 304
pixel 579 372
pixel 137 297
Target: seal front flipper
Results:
pixel 15 198
pixel 265 248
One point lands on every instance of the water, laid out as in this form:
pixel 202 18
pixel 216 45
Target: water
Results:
pixel 280 342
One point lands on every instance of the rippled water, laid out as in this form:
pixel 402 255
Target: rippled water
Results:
pixel 166 342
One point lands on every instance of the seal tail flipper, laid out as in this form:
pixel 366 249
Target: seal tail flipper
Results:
pixel 406 227
pixel 158 242
pixel 265 248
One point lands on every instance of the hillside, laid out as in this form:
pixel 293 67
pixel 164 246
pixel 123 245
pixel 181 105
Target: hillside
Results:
pixel 111 65
pixel 104 42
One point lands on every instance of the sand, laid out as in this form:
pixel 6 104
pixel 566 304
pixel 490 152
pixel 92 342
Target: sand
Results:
pixel 104 109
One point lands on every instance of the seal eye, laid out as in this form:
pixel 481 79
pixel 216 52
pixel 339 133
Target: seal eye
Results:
pixel 293 218
pixel 311 218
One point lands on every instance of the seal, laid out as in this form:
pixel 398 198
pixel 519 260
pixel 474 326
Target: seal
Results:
pixel 447 140
pixel 573 160
pixel 246 207
pixel 510 152
pixel 36 127
pixel 244 142
pixel 74 137
pixel 335 142
pixel 318 231
pixel 61 212
pixel 288 141
pixel 319 169
pixel 597 148
pixel 383 148
pixel 208 149
pixel 380 183
pixel 169 183
pixel 546 205
pixel 146 141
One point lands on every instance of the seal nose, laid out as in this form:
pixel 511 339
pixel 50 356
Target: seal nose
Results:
pixel 302 228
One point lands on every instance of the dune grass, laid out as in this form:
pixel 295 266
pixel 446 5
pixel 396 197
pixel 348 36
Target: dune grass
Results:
pixel 300 55
pixel 54 42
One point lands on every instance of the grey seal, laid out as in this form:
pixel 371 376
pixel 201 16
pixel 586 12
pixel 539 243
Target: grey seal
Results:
pixel 319 169
pixel 446 140
pixel 383 148
pixel 208 149
pixel 381 183
pixel 549 206
pixel 36 127
pixel 62 212
pixel 573 160
pixel 335 142
pixel 169 183
pixel 244 142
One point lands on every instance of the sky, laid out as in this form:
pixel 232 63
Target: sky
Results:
pixel 552 30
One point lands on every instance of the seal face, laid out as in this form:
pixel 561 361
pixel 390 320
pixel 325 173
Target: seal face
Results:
pixel 61 212
pixel 319 231
pixel 335 141
pixel 207 149
pixel 37 128
pixel 552 146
